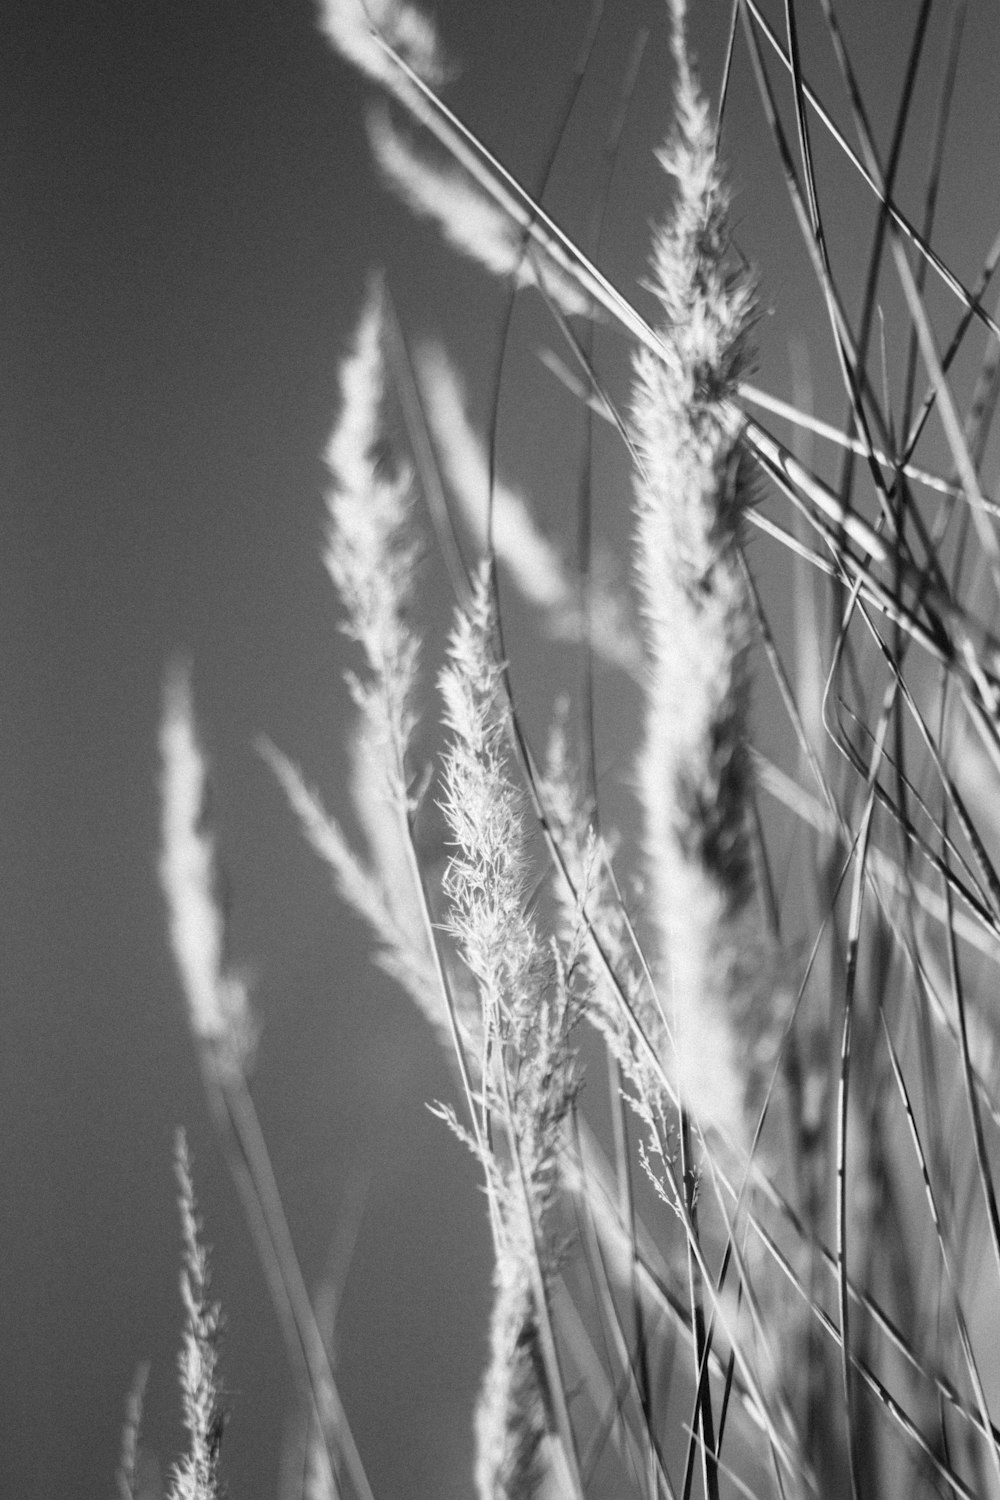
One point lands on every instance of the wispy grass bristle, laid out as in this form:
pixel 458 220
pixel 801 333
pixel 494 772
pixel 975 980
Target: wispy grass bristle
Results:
pixel 472 222
pixel 355 27
pixel 197 1476
pixel 693 773
pixel 527 1067
pixel 500 522
pixel 371 550
pixel 218 1005
pixel 126 1479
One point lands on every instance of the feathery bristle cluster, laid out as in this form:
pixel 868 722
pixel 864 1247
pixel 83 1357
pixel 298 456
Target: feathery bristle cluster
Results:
pixel 493 513
pixel 483 218
pixel 370 552
pixel 528 1075
pixel 128 1461
pixel 472 221
pixel 371 556
pixel 197 1477
pixel 594 927
pixel 511 1418
pixel 354 26
pixel 486 877
pixel 693 770
pixel 218 1007
pixel 498 517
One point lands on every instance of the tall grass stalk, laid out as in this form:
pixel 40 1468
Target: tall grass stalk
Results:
pixel 775 915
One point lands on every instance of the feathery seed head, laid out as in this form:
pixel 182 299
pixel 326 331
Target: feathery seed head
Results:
pixel 486 876
pixel 197 1476
pixel 472 221
pixel 128 1463
pixel 528 1013
pixel 218 1007
pixel 354 26
pixel 371 555
pixel 511 1420
pixel 693 771
pixel 531 559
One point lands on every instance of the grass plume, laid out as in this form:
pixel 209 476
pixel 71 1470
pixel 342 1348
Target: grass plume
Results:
pixel 218 1006
pixel 527 1065
pixel 197 1476
pixel 692 490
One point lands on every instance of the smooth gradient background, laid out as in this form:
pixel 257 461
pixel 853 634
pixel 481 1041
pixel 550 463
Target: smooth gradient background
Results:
pixel 187 214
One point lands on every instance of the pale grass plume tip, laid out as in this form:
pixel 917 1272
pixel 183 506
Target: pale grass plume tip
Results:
pixel 691 489
pixel 197 1476
pixel 480 224
pixel 354 28
pixel 218 1006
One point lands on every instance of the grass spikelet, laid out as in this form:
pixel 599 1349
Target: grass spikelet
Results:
pixel 498 517
pixel 370 553
pixel 693 772
pixel 126 1477
pixel 218 1007
pixel 354 26
pixel 595 925
pixel 486 877
pixel 471 221
pixel 511 1419
pixel 197 1476
pixel 387 909
pixel 528 1072
pixel 371 556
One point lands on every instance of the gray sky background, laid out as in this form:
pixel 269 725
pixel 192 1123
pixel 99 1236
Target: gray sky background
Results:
pixel 187 213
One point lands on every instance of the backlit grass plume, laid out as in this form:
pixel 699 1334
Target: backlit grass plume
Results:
pixel 371 555
pixel 527 1064
pixel 223 1028
pixel 498 518
pixel 218 1006
pixel 691 491
pixel 472 221
pixel 126 1479
pixel 197 1476
pixel 354 26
